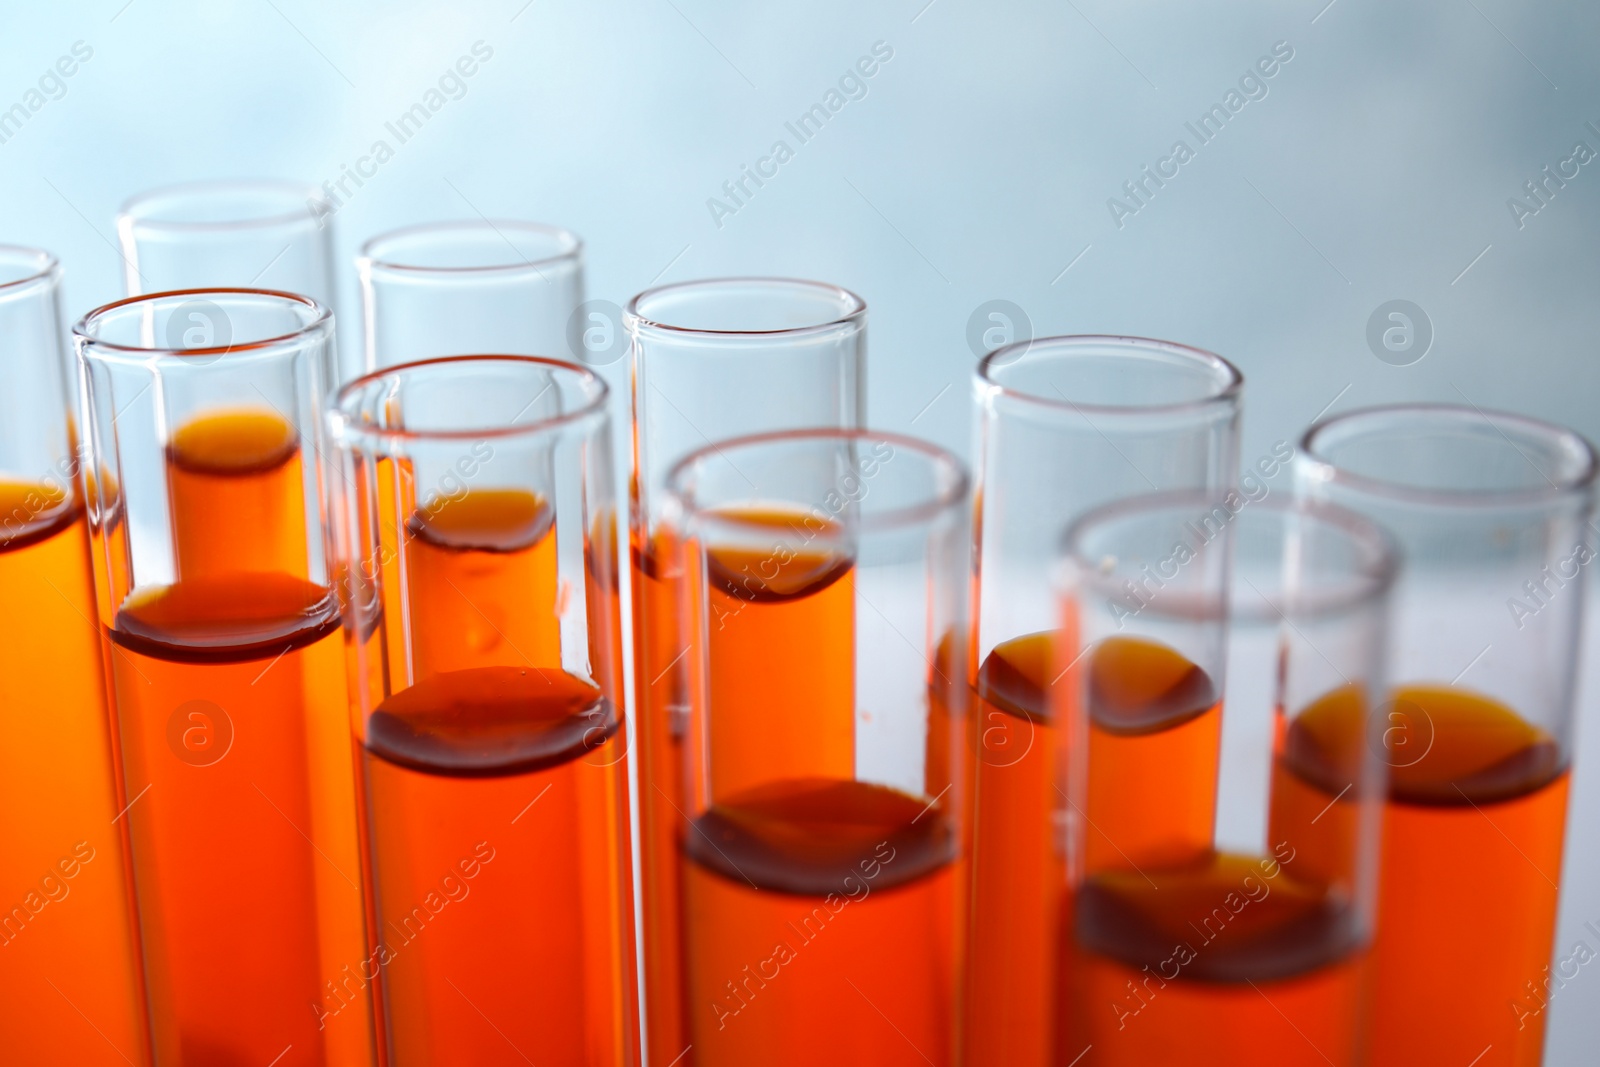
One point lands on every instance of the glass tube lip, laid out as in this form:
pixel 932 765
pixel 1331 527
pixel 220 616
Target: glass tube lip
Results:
pixel 90 331
pixel 23 268
pixel 950 479
pixel 1224 379
pixel 841 306
pixel 215 206
pixel 466 248
pixel 350 422
pixel 1571 470
pixel 1374 557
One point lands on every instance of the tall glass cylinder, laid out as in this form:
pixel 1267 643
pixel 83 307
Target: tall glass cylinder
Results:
pixel 1064 424
pixel 711 360
pixel 204 431
pixel 1221 782
pixel 479 549
pixel 823 601
pixel 462 288
pixel 256 233
pixel 1492 511
pixel 68 918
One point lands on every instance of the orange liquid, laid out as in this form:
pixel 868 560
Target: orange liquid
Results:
pixel 1473 836
pixel 1018 866
pixel 68 958
pixel 1177 953
pixel 660 704
pixel 1154 742
pixel 754 601
pixel 497 811
pixel 1207 963
pixel 229 689
pixel 483 578
pixel 244 467
pixel 820 912
pixel 781 632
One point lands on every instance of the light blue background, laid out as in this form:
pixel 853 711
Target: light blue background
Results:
pixel 977 167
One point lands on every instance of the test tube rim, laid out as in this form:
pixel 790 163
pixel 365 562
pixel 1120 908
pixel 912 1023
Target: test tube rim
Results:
pixel 319 324
pixel 368 260
pixel 949 498
pixel 1227 396
pixel 129 217
pixel 1579 485
pixel 1383 555
pixel 47 270
pixel 635 321
pixel 347 431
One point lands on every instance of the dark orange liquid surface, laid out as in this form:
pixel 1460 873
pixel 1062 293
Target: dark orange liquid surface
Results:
pixel 230 698
pixel 1472 850
pixel 69 984
pixel 1173 951
pixel 1210 963
pixel 818 914
pixel 497 811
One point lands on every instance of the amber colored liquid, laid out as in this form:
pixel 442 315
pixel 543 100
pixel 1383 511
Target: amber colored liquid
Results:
pixel 781 633
pixel 1017 862
pixel 819 911
pixel 660 704
pixel 244 467
pixel 66 926
pixel 1177 953
pixel 497 811
pixel 230 699
pixel 1472 856
pixel 1209 964
pixel 818 915
pixel 762 611
pixel 1155 737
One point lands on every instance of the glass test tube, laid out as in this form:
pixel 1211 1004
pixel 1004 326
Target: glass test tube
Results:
pixel 482 621
pixel 462 288
pixel 1064 424
pixel 823 598
pixel 711 360
pixel 227 672
pixel 255 233
pixel 1221 864
pixel 1492 512
pixel 271 234
pixel 67 941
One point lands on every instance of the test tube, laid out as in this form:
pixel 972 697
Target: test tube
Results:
pixel 1222 783
pixel 67 920
pixel 712 359
pixel 481 608
pixel 1064 424
pixel 1492 512
pixel 462 288
pixel 823 596
pixel 253 232
pixel 228 675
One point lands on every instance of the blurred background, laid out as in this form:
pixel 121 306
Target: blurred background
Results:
pixel 989 180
